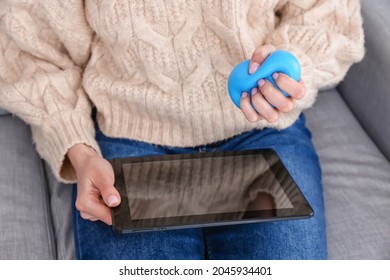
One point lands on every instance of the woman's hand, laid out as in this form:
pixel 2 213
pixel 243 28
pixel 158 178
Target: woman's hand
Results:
pixel 95 184
pixel 266 94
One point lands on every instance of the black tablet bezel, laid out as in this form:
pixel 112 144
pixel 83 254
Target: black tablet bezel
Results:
pixel 121 220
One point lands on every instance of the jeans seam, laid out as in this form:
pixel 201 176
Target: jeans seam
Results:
pixel 207 245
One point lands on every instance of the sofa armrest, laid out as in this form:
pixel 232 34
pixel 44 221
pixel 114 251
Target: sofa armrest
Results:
pixel 366 88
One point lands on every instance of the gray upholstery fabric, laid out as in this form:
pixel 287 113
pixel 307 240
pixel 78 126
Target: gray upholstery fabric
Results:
pixel 366 88
pixel 26 229
pixel 3 112
pixel 356 178
pixel 61 208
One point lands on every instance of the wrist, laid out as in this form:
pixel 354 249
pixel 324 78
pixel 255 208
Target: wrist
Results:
pixel 79 153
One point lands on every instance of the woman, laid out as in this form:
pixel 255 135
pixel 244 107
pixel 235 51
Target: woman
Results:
pixel 156 73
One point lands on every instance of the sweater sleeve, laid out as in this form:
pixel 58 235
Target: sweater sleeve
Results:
pixel 44 46
pixel 326 36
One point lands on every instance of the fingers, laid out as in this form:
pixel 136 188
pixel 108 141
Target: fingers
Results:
pixel 92 209
pixel 287 84
pixel 248 110
pixel 257 108
pixel 274 97
pixel 104 182
pixel 263 107
pixel 87 216
pixel 95 191
pixel 259 56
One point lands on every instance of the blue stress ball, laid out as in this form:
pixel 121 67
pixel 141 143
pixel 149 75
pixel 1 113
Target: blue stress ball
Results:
pixel 279 61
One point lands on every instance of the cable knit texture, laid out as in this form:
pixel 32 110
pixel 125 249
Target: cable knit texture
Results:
pixel 157 70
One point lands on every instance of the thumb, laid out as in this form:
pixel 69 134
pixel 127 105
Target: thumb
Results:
pixel 259 56
pixel 110 195
pixel 105 184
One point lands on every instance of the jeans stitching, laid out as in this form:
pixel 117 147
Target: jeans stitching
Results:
pixel 207 245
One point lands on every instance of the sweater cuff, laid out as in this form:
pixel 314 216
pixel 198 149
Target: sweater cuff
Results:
pixel 57 135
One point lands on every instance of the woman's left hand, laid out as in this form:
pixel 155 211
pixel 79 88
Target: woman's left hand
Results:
pixel 266 94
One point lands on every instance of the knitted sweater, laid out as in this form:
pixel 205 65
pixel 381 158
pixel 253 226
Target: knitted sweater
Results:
pixel 156 71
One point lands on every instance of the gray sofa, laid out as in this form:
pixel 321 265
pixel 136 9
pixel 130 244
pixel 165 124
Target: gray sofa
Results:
pixel 350 126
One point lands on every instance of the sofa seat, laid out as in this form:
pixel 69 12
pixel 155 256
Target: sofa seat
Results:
pixel 356 179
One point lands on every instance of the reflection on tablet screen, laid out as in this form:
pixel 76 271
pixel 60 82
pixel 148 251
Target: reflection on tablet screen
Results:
pixel 213 185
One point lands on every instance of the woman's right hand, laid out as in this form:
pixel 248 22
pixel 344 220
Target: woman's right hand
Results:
pixel 95 184
pixel 257 106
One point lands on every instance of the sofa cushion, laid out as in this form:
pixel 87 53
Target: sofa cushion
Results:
pixel 25 219
pixel 3 112
pixel 61 208
pixel 356 178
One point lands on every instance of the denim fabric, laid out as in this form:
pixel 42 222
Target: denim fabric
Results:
pixel 294 239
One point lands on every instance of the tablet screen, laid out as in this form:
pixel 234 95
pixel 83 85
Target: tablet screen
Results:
pixel 205 189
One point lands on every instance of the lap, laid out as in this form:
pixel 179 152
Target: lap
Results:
pixel 299 239
pixel 96 240
pixel 294 239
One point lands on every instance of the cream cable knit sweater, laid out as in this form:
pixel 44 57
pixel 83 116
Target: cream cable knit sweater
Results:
pixel 156 70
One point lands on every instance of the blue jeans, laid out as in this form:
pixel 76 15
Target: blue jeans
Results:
pixel 294 239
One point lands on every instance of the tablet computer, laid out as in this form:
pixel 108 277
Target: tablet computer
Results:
pixel 204 189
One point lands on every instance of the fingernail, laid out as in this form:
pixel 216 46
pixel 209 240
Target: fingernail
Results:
pixel 112 200
pixel 261 82
pixel 244 94
pixel 275 75
pixel 254 66
pixel 254 91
